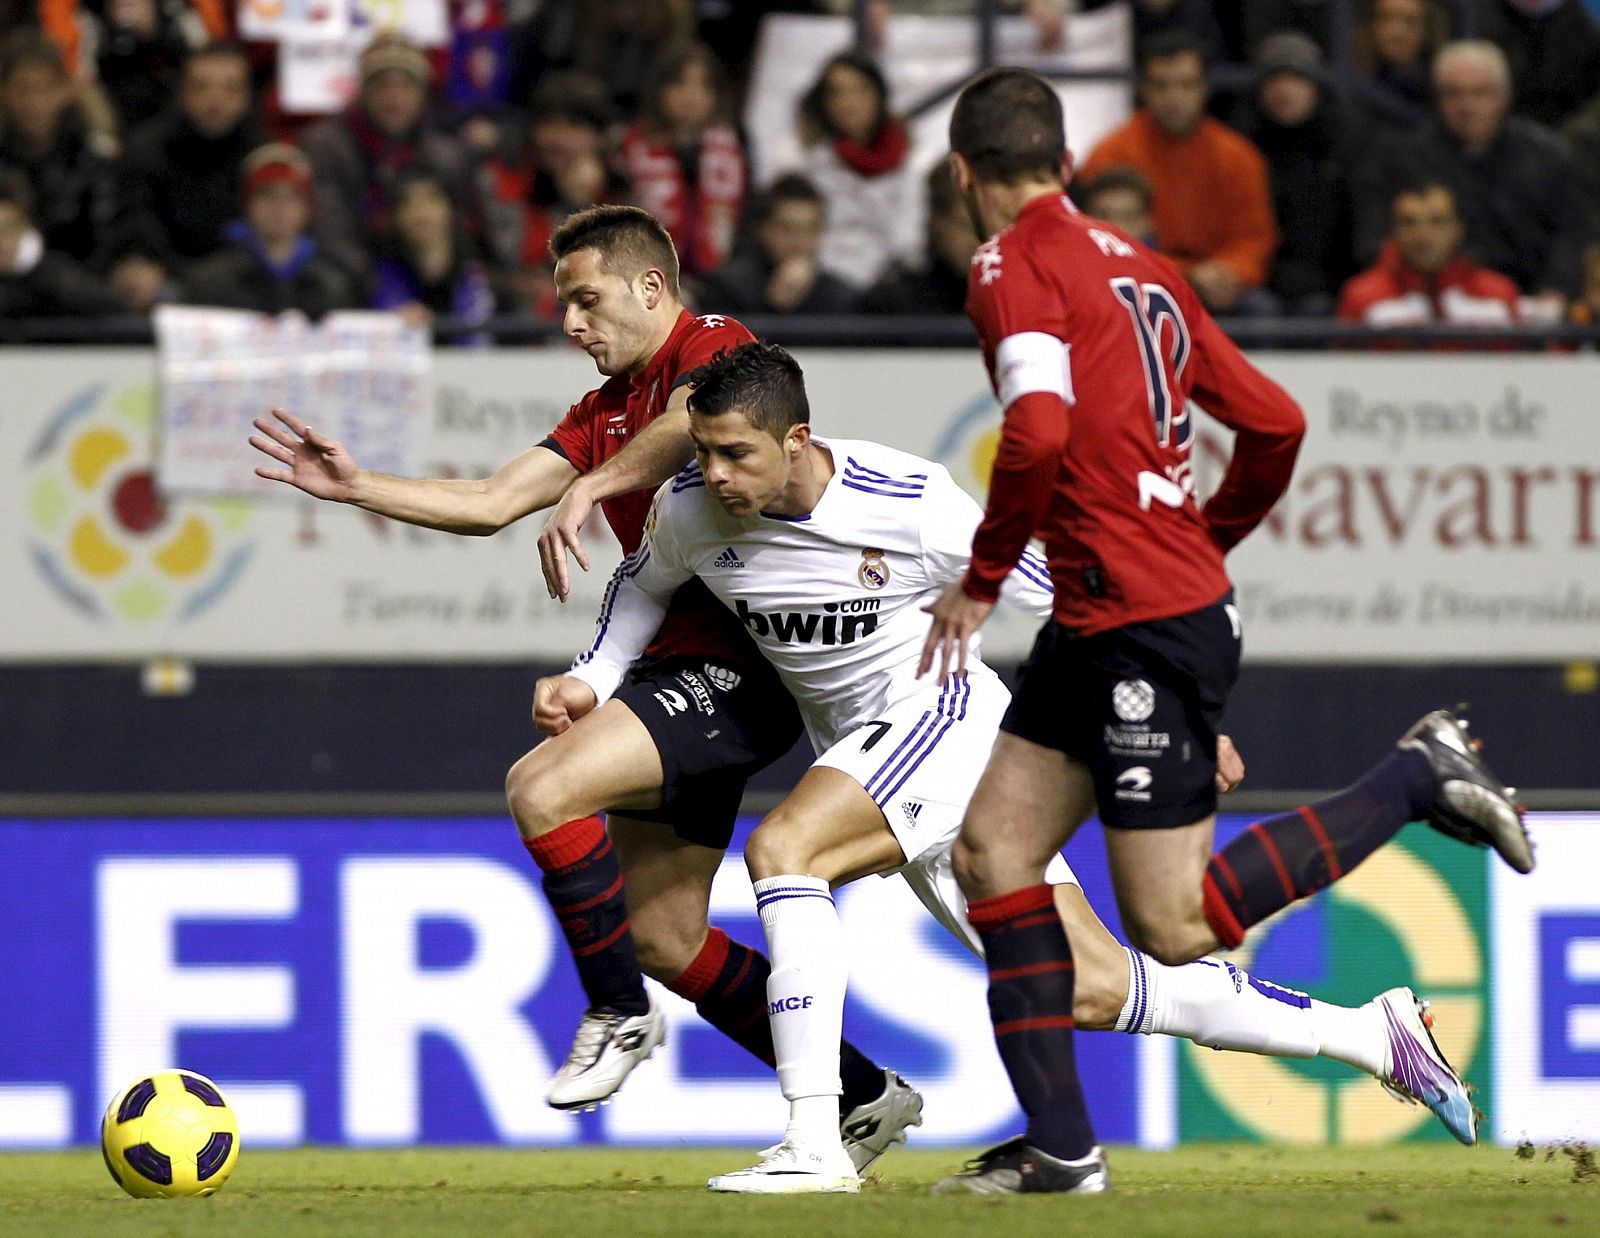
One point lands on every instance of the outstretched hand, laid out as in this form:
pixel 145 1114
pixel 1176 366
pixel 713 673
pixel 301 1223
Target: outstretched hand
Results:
pixel 560 536
pixel 316 463
pixel 956 619
pixel 559 701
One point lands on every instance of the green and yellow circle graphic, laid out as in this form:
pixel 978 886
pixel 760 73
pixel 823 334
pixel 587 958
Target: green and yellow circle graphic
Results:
pixel 1410 914
pixel 968 444
pixel 109 542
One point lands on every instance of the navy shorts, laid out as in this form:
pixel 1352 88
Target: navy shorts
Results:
pixel 1140 706
pixel 715 724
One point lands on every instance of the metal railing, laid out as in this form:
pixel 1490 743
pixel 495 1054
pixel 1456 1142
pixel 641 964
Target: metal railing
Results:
pixel 895 331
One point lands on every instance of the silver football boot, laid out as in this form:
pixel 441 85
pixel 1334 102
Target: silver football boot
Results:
pixel 1470 804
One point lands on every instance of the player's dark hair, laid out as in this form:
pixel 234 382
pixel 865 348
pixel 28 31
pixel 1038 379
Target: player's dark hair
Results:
pixel 1166 44
pixel 629 241
pixel 1008 126
pixel 761 381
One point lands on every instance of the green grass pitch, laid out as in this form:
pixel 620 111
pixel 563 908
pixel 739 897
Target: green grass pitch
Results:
pixel 1195 1192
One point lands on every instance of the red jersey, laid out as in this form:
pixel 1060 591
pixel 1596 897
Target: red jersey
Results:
pixel 598 426
pixel 1095 346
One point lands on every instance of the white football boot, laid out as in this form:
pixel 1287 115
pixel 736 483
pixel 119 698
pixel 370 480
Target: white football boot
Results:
pixel 870 1130
pixel 790 1170
pixel 604 1051
pixel 1418 1069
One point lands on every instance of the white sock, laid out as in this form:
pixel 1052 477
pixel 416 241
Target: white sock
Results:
pixel 1215 1004
pixel 1357 1036
pixel 805 1001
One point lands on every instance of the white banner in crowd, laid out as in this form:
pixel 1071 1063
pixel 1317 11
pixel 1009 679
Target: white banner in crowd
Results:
pixel 922 55
pixel 362 378
pixel 425 21
pixel 1443 507
pixel 321 41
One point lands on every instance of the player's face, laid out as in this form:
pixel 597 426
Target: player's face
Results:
pixel 606 315
pixel 744 466
pixel 1173 91
pixel 1427 229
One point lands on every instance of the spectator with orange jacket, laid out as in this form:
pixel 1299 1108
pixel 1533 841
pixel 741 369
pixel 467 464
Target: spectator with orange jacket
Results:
pixel 1212 201
pixel 1423 277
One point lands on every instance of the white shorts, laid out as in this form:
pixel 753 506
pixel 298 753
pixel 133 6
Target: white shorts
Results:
pixel 921 762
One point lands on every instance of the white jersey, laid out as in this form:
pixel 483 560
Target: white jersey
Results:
pixel 833 598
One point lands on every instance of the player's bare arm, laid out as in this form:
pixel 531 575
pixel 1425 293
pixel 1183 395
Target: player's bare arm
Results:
pixel 321 467
pixel 653 456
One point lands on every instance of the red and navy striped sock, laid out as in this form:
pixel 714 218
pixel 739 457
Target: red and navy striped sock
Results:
pixel 727 982
pixel 1030 1004
pixel 1285 858
pixel 584 886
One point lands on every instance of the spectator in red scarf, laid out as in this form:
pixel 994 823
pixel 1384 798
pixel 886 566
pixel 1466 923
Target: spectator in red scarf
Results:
pixel 565 165
pixel 685 162
pixel 858 155
pixel 356 156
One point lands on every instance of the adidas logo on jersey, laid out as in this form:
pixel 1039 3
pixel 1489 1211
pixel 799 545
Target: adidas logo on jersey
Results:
pixel 912 810
pixel 728 558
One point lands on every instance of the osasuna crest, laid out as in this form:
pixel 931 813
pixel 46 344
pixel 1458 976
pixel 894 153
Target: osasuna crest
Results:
pixel 873 572
pixel 722 677
pixel 1134 700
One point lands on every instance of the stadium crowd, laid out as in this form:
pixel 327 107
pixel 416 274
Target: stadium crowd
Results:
pixel 146 156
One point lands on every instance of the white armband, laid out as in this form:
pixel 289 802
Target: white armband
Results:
pixel 1033 361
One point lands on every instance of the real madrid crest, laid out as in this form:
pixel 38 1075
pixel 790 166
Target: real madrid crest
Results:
pixel 873 572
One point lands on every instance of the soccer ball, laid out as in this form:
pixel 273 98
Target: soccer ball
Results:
pixel 170 1134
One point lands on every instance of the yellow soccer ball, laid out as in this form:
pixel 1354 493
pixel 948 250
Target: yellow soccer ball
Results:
pixel 170 1134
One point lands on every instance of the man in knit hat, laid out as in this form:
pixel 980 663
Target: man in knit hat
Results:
pixel 355 156
pixel 1298 127
pixel 271 263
